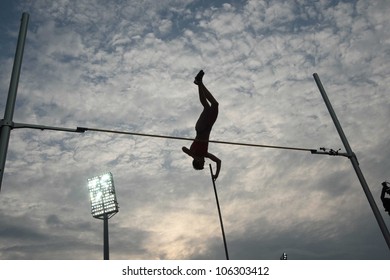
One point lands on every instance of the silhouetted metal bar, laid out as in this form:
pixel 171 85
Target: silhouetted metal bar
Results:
pixel 192 139
pixel 45 127
pixel 13 125
pixel 85 129
pixel 355 163
pixel 6 123
pixel 219 213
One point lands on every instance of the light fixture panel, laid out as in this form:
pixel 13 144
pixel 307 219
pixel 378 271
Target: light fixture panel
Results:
pixel 102 195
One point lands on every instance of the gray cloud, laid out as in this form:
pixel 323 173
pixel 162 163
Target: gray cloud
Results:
pixel 130 66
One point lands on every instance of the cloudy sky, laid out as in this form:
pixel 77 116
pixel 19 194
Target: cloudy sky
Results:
pixel 129 65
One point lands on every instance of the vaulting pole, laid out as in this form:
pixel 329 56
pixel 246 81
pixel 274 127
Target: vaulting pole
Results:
pixel 7 122
pixel 219 213
pixel 351 155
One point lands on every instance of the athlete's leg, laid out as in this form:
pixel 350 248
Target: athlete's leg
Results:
pixel 202 96
pixel 210 113
pixel 204 93
pixel 207 94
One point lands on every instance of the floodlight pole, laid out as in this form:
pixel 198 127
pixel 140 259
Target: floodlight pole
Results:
pixel 351 155
pixel 7 123
pixel 106 252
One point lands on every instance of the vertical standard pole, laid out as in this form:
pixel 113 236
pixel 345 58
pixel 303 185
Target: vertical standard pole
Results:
pixel 220 215
pixel 105 237
pixel 7 123
pixel 354 162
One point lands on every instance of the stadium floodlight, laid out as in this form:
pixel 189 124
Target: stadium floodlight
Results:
pixel 102 195
pixel 104 204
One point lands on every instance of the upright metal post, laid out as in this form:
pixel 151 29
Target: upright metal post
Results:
pixel 7 122
pixel 220 215
pixel 106 252
pixel 355 163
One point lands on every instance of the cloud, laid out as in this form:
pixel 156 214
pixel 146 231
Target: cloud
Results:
pixel 130 66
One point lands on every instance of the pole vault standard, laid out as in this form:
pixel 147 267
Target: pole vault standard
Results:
pixel 6 123
pixel 219 213
pixel 351 155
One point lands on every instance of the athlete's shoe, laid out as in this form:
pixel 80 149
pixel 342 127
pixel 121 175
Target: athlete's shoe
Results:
pixel 199 77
